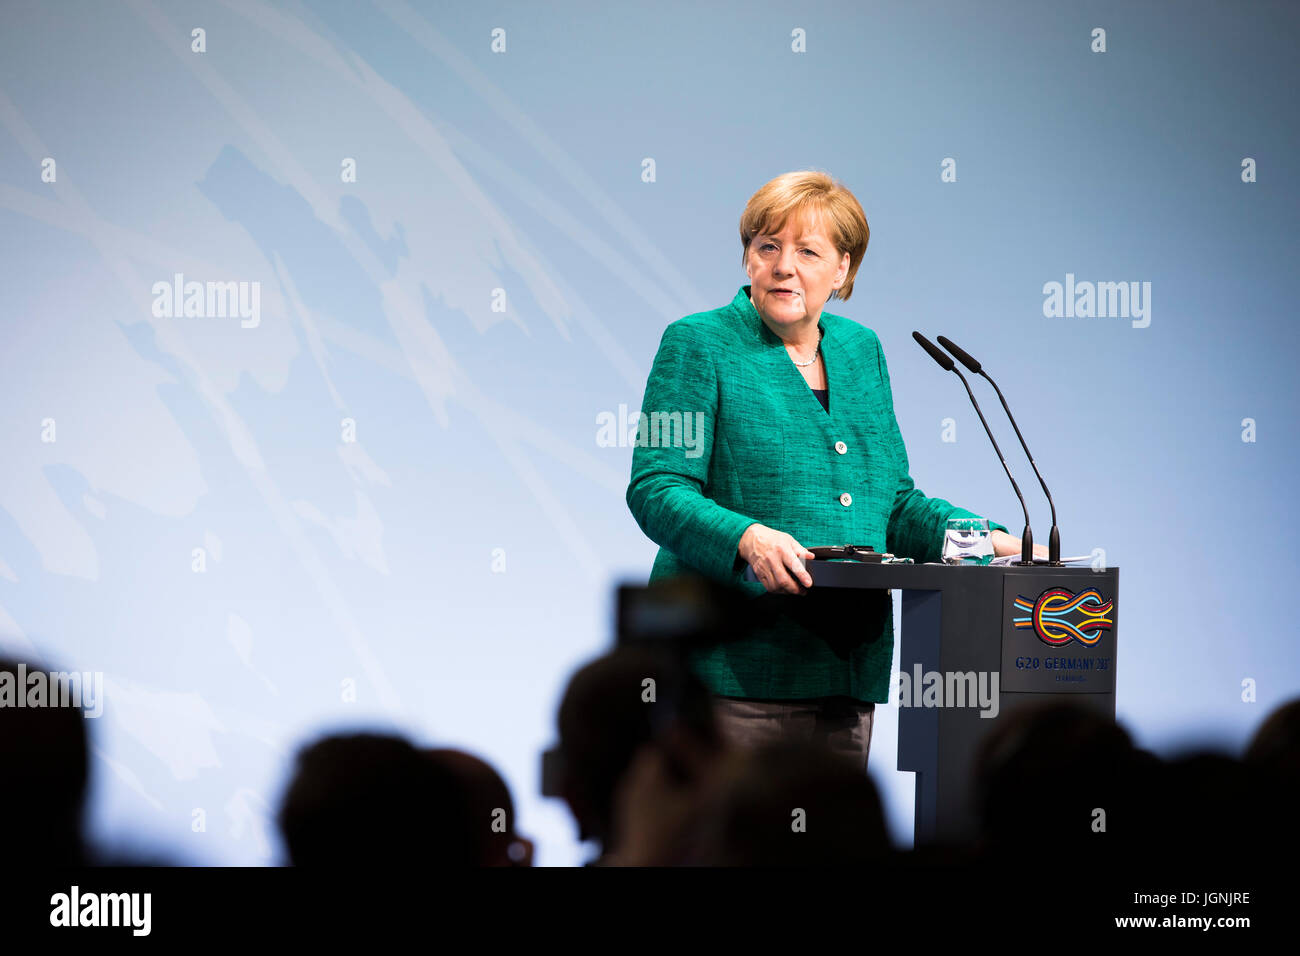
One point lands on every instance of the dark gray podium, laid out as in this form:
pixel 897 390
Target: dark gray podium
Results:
pixel 1036 633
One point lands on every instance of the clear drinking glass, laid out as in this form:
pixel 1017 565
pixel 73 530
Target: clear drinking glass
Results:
pixel 967 541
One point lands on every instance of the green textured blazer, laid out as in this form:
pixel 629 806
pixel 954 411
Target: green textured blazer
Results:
pixel 731 434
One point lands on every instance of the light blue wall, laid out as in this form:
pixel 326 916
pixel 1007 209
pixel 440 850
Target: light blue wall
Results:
pixel 372 561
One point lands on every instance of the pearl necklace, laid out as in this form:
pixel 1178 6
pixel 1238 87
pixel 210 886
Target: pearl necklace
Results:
pixel 815 354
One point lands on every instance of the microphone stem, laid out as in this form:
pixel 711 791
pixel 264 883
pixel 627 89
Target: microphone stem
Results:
pixel 1054 557
pixel 1033 463
pixel 1028 558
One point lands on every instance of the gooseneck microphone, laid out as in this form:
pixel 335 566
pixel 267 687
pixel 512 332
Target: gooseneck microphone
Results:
pixel 947 364
pixel 1054 538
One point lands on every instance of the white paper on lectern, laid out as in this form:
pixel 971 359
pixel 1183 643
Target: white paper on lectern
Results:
pixel 1008 558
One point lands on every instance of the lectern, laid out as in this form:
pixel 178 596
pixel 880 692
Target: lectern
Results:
pixel 977 643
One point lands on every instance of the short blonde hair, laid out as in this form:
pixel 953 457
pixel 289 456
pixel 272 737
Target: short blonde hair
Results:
pixel 809 191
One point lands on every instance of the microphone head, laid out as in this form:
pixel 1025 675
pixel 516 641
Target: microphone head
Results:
pixel 960 355
pixel 944 361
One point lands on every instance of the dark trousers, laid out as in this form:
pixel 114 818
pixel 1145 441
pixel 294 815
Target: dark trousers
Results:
pixel 841 723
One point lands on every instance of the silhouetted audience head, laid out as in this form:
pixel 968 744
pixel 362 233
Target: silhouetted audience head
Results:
pixel 611 707
pixel 490 808
pixel 793 804
pixel 44 768
pixel 374 799
pixel 1275 748
pixel 1065 776
pixel 1214 811
pixel 1273 757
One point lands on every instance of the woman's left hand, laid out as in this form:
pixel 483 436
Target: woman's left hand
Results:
pixel 1004 543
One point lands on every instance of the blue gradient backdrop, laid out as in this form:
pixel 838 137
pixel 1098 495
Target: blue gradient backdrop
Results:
pixel 371 561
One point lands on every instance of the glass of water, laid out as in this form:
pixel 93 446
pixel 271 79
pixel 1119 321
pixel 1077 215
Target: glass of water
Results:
pixel 967 541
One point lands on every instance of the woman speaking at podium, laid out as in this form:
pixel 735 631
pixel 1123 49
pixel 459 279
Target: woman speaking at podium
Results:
pixel 791 442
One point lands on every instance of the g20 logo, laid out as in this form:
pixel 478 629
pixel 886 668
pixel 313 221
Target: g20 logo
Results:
pixel 1060 616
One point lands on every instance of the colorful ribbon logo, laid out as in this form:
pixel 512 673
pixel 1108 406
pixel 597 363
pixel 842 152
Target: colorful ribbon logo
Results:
pixel 1050 616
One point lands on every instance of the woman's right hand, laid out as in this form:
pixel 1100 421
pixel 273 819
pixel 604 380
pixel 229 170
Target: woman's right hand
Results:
pixel 777 559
